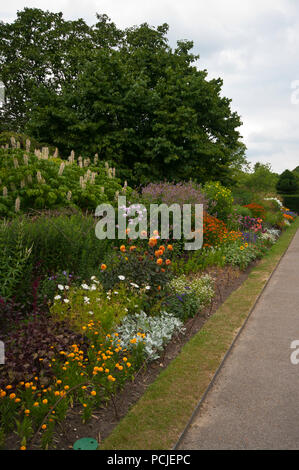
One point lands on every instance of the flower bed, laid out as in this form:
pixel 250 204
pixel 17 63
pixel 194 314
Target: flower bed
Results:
pixel 102 328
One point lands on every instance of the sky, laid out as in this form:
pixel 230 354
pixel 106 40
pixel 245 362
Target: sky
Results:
pixel 253 45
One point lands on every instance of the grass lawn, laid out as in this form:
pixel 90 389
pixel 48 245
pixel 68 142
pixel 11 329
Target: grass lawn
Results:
pixel 159 417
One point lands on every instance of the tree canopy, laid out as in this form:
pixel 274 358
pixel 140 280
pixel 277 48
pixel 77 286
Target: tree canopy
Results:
pixel 125 94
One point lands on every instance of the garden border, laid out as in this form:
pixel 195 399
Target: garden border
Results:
pixel 119 439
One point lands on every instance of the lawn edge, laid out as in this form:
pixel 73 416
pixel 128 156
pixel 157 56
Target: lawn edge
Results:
pixel 121 437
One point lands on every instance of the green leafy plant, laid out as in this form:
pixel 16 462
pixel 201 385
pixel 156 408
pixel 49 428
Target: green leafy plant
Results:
pixel 13 261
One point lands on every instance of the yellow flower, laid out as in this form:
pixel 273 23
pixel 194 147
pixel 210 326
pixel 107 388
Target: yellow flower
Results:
pixel 45 401
pixel 44 426
pixel 36 404
pixel 12 396
pixel 23 448
pixel 93 393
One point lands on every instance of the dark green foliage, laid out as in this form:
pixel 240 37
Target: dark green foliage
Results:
pixel 64 242
pixel 287 183
pixel 124 94
pixel 291 202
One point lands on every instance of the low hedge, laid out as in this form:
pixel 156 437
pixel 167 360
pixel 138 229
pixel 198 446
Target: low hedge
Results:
pixel 291 201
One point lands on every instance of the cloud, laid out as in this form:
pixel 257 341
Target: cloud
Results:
pixel 251 44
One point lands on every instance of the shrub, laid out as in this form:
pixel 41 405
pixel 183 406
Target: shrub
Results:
pixel 59 242
pixel 239 254
pixel 256 210
pixel 287 183
pixel 145 267
pixel 220 200
pixel 187 297
pixel 291 201
pixel 151 333
pixel 243 211
pixel 39 181
pixel 13 260
pixel 77 305
pixel 171 193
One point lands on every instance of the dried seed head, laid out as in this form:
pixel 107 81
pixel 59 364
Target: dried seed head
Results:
pixel 5 192
pixel 28 144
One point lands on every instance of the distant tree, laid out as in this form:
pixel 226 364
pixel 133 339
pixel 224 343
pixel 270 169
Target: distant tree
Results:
pixel 287 183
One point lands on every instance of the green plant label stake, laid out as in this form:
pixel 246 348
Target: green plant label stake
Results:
pixel 86 443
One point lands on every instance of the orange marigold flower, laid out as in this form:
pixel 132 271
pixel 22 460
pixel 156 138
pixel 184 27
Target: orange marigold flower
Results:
pixel 159 261
pixel 152 242
pixel 122 248
pixel 103 267
pixel 168 262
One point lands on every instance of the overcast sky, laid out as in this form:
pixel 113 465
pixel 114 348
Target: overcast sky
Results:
pixel 252 44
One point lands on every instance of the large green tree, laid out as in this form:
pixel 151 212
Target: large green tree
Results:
pixel 128 96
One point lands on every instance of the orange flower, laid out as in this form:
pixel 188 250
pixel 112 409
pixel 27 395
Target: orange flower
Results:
pixel 132 248
pixel 159 261
pixel 169 247
pixel 122 248
pixel 152 242
pixel 103 267
pixel 168 262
